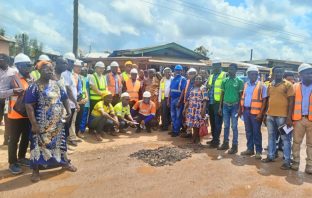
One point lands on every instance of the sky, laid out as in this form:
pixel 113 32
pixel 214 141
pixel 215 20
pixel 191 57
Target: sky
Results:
pixel 227 28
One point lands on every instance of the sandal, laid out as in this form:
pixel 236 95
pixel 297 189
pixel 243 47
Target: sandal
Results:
pixel 98 138
pixel 70 167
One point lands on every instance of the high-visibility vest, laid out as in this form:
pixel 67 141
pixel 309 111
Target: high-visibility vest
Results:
pixel 256 100
pixel 297 114
pixel 217 86
pixel 133 89
pixel 100 84
pixel 12 114
pixel 35 75
pixel 179 87
pixel 111 86
pixel 125 76
pixel 84 87
pixel 145 109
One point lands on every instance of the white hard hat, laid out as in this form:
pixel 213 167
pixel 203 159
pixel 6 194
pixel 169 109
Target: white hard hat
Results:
pixel 252 68
pixel 147 94
pixel 99 64
pixel 20 58
pixel 108 68
pixel 134 71
pixel 192 70
pixel 304 66
pixel 78 63
pixel 69 56
pixel 124 94
pixel 44 57
pixel 114 64
pixel 167 68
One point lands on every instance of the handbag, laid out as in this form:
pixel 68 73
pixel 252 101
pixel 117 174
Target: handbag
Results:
pixel 203 130
pixel 19 105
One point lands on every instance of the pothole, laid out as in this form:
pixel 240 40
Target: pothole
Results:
pixel 162 156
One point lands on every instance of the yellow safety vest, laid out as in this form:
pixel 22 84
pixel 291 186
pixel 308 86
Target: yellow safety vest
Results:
pixel 125 76
pixel 35 75
pixel 217 85
pixel 100 84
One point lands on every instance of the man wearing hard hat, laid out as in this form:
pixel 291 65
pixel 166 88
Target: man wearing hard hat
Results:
pixel 114 82
pixel 252 107
pixel 133 86
pixel 144 112
pixel 175 100
pixel 163 96
pixel 18 119
pixel 72 92
pixel 97 84
pixel 126 74
pixel 122 111
pixel 302 117
pixel 35 75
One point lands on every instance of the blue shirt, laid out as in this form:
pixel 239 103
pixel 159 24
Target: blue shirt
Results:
pixel 211 90
pixel 175 86
pixel 306 93
pixel 249 91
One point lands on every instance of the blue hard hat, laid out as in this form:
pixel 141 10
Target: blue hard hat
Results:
pixel 178 67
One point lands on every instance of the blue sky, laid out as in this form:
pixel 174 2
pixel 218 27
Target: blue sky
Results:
pixel 229 29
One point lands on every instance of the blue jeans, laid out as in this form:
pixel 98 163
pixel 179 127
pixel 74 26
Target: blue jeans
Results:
pixel 253 131
pixel 84 119
pixel 230 114
pixel 273 123
pixel 176 115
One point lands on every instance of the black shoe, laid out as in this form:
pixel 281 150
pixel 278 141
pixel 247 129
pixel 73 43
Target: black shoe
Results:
pixel 233 150
pixel 224 146
pixel 186 135
pixel 149 130
pixel 174 135
pixel 213 145
pixel 248 152
pixel 286 166
pixel 267 160
pixel 138 130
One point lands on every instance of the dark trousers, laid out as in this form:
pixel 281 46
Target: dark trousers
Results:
pixel 68 124
pixel 79 118
pixel 122 124
pixel 92 104
pixel 19 132
pixel 101 124
pixel 165 114
pixel 253 131
pixel 2 104
pixel 6 128
pixel 215 122
pixel 139 117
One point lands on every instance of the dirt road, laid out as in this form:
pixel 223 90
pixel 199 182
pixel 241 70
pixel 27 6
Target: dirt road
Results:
pixel 106 170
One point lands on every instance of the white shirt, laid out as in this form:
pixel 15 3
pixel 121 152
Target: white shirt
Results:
pixel 70 82
pixel 167 88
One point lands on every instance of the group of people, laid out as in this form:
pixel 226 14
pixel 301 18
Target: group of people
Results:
pixel 51 105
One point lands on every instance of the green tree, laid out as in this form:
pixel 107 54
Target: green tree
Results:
pixel 28 46
pixel 2 32
pixel 202 50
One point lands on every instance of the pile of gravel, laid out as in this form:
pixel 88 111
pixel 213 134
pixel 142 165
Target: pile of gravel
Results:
pixel 162 155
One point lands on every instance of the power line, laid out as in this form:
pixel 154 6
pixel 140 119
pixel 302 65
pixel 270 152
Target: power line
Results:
pixel 240 20
pixel 227 24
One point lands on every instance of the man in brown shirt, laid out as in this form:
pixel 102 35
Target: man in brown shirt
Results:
pixel 281 98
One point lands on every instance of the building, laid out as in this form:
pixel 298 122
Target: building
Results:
pixel 167 55
pixel 5 45
pixel 270 63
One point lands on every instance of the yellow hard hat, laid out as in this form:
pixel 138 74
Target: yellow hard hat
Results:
pixel 128 63
pixel 106 93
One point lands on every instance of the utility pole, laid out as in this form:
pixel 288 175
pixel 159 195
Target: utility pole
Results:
pixel 251 52
pixel 23 43
pixel 75 29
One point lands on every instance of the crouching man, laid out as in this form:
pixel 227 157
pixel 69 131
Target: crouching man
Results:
pixel 122 111
pixel 144 112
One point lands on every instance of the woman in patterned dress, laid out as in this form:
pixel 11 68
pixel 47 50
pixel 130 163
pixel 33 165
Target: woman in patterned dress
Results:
pixel 48 110
pixel 195 107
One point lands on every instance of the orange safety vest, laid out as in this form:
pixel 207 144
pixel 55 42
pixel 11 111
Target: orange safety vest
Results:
pixel 133 89
pixel 256 100
pixel 12 114
pixel 145 109
pixel 297 114
pixel 110 79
